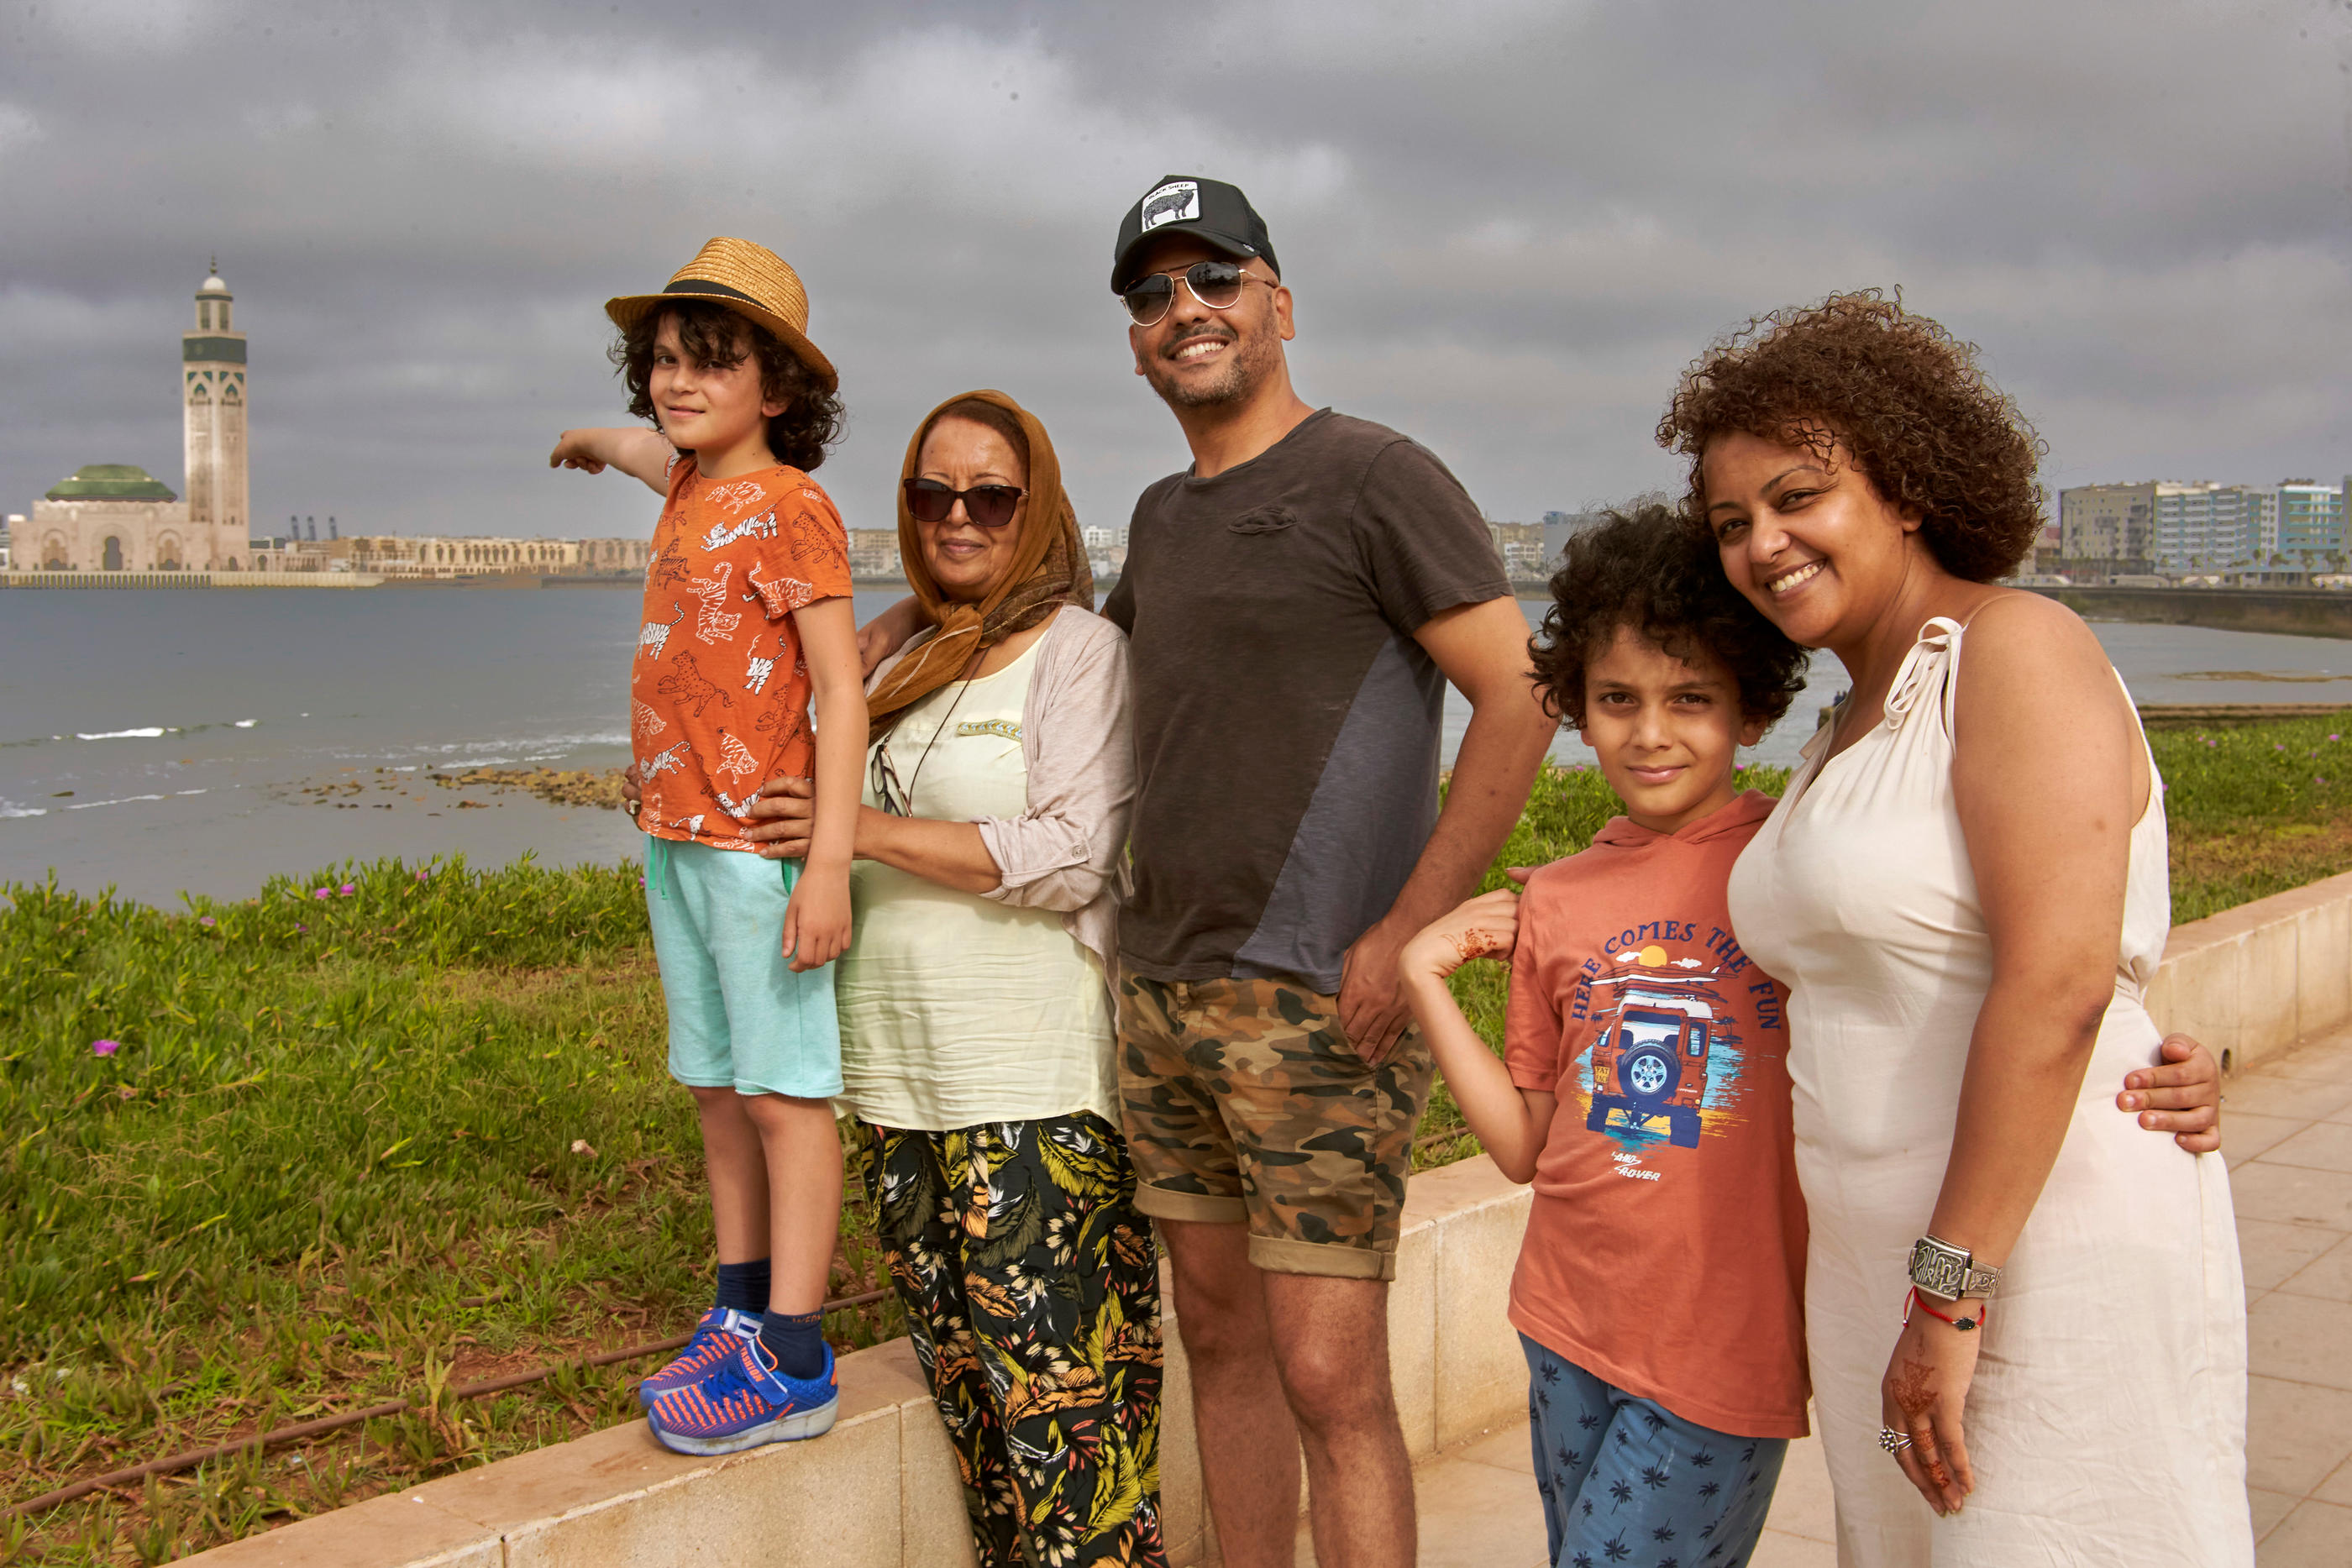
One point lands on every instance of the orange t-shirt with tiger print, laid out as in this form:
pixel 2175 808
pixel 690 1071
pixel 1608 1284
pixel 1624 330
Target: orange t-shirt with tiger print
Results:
pixel 720 692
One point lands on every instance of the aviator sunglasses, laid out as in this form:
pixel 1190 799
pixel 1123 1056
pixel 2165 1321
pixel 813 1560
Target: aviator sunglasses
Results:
pixel 1215 284
pixel 990 506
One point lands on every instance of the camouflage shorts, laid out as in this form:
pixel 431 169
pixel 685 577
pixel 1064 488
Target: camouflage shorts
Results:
pixel 1244 1102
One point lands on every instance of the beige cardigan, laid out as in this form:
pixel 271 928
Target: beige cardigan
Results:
pixel 1078 744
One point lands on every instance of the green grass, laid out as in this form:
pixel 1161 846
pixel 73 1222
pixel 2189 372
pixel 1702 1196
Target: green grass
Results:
pixel 358 1147
pixel 343 1144
pixel 2254 809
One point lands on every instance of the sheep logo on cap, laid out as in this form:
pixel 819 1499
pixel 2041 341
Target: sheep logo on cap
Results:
pixel 1175 203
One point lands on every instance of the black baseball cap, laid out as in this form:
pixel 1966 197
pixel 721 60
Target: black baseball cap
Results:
pixel 1215 212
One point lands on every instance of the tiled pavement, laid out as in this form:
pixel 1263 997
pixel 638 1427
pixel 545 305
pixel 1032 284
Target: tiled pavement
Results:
pixel 2287 1130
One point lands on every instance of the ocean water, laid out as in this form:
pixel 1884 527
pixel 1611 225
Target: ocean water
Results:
pixel 160 741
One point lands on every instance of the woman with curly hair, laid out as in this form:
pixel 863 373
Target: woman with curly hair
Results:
pixel 2016 1304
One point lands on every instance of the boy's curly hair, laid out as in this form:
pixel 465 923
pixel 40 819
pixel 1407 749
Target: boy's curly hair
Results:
pixel 1905 398
pixel 1642 568
pixel 714 335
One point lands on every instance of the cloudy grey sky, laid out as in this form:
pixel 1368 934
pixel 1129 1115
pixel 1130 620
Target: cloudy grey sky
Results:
pixel 1508 223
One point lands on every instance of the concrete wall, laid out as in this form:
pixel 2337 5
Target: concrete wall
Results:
pixel 2305 612
pixel 880 1489
pixel 2252 980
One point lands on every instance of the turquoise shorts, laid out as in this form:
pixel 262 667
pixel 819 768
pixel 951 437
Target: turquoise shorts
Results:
pixel 738 1018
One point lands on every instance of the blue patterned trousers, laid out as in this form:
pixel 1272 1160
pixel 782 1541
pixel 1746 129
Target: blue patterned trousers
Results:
pixel 1625 1481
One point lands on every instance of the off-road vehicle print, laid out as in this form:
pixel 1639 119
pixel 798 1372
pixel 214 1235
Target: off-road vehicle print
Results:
pixel 1661 1044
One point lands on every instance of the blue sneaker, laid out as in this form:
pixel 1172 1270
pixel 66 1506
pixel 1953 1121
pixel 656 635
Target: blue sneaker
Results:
pixel 716 1338
pixel 747 1402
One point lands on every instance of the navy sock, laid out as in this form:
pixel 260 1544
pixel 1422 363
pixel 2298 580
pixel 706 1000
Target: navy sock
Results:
pixel 792 1338
pixel 744 1286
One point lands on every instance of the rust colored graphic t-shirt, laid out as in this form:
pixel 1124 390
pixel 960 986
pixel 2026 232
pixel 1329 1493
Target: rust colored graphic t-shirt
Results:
pixel 1666 1251
pixel 719 702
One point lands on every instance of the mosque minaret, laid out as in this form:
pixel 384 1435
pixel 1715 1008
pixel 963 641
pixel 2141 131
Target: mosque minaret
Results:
pixel 117 517
pixel 212 372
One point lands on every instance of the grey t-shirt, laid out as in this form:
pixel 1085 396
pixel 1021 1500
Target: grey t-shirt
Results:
pixel 1286 724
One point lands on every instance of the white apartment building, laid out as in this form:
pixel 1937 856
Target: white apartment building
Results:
pixel 2307 519
pixel 2200 524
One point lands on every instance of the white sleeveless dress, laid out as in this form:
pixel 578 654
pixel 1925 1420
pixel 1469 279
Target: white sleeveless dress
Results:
pixel 2107 1422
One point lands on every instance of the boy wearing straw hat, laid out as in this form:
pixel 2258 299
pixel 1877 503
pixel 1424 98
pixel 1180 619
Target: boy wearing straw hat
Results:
pixel 746 620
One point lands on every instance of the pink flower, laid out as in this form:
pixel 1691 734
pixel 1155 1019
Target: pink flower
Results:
pixel 205 920
pixel 300 929
pixel 422 874
pixel 349 888
pixel 320 893
pixel 104 1047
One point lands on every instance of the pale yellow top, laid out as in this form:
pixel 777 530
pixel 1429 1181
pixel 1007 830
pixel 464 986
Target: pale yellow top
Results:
pixel 958 1010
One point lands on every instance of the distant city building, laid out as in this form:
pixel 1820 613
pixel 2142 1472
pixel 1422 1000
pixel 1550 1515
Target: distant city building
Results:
pixel 2110 524
pixel 615 555
pixel 285 553
pixel 440 557
pixel 2245 535
pixel 212 366
pixel 2204 525
pixel 1521 545
pixel 9 529
pixel 1559 526
pixel 873 552
pixel 2309 519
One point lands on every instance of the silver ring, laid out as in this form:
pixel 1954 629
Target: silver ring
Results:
pixel 1892 1441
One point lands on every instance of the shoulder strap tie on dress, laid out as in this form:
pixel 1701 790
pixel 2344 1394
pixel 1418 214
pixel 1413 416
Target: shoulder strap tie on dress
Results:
pixel 1924 670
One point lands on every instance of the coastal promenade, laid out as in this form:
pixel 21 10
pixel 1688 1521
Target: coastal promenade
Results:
pixel 2268 985
pixel 2287 1128
pixel 121 580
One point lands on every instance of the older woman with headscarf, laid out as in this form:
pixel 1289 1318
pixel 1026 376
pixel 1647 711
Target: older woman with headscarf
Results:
pixel 975 1002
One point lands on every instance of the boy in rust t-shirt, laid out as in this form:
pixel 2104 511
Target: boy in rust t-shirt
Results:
pixel 1644 1090
pixel 747 626
pixel 719 695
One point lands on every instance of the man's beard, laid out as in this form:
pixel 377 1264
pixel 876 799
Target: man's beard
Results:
pixel 1245 362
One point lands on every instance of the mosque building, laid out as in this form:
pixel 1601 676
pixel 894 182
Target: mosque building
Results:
pixel 114 516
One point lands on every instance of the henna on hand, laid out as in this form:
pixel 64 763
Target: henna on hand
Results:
pixel 1477 944
pixel 1915 1387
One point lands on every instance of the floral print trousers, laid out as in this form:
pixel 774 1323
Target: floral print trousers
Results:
pixel 1032 1289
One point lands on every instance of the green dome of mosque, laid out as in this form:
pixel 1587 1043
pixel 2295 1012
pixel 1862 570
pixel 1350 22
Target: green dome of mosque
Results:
pixel 110 482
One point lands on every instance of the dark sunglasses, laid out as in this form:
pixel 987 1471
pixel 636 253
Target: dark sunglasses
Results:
pixel 990 506
pixel 1215 284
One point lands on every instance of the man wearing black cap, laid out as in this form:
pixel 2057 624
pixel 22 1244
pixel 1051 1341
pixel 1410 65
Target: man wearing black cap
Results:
pixel 1296 601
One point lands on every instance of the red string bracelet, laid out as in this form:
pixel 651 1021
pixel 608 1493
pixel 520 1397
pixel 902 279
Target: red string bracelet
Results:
pixel 1965 1325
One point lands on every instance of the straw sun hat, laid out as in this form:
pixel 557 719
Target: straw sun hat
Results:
pixel 749 280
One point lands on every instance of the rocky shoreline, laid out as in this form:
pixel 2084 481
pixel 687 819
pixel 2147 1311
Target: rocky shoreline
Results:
pixel 556 786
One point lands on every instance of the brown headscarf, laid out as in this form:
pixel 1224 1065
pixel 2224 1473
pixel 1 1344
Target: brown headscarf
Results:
pixel 1048 569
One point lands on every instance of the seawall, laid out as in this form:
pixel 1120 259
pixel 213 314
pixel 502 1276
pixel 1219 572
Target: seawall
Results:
pixel 881 1491
pixel 2295 611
